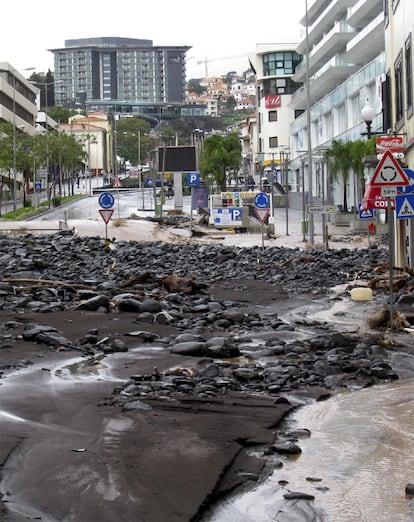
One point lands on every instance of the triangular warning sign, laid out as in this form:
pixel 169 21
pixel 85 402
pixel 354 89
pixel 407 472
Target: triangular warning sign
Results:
pixel 389 173
pixel 106 214
pixel 262 214
pixel 406 210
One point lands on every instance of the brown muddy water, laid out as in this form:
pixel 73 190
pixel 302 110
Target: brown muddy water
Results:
pixel 356 463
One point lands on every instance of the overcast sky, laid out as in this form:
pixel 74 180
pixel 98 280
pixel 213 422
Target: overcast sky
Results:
pixel 219 31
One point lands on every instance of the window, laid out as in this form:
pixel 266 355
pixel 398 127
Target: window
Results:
pixel 409 76
pixel 273 142
pixel 272 115
pixel 387 103
pixel 279 86
pixel 386 13
pixel 398 80
pixel 280 63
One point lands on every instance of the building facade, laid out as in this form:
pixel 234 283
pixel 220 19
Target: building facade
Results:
pixel 342 69
pixel 274 66
pixel 17 99
pixel 118 74
pixel 17 107
pixel 399 64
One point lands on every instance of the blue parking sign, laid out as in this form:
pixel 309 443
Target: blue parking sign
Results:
pixel 193 179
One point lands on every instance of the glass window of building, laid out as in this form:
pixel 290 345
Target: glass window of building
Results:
pixel 409 76
pixel 280 63
pixel 398 78
pixel 273 142
pixel 279 86
pixel 272 115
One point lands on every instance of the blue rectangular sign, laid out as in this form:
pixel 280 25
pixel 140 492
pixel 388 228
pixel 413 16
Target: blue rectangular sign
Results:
pixel 404 206
pixel 192 179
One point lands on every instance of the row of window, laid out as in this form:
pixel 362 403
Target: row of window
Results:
pixel 403 82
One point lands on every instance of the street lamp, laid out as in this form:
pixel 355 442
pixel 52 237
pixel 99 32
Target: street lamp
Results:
pixel 367 115
pixel 46 85
pixel 308 124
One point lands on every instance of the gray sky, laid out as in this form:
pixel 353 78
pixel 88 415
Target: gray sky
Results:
pixel 221 32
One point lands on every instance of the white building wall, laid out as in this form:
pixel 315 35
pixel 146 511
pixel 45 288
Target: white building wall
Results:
pixel 346 67
pixel 399 38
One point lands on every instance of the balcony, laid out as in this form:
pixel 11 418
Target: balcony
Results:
pixel 368 43
pixel 330 14
pixel 324 81
pixel 361 14
pixel 332 44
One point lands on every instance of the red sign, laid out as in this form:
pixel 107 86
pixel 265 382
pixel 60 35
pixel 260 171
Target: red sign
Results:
pixel 262 214
pixel 106 214
pixel 273 101
pixel 389 173
pixel 391 143
pixel 374 200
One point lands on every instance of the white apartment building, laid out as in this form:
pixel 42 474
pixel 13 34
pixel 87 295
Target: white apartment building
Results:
pixel 399 34
pixel 344 61
pixel 18 99
pixel 18 107
pixel 274 66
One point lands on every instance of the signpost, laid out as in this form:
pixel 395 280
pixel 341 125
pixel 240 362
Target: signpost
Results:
pixel 387 175
pixel 323 209
pixel 393 144
pixel 106 202
pixel 262 209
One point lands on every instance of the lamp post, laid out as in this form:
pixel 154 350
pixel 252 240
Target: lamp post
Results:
pixel 367 115
pixel 46 85
pixel 308 123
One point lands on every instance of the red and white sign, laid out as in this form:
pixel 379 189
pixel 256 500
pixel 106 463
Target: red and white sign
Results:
pixel 262 214
pixel 273 101
pixel 393 144
pixel 106 214
pixel 374 200
pixel 389 173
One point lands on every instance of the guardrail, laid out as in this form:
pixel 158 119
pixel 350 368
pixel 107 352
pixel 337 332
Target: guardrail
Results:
pixel 113 190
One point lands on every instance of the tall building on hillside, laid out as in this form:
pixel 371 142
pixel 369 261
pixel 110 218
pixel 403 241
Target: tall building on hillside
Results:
pixel 118 74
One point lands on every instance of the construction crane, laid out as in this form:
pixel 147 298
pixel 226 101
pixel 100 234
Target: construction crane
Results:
pixel 206 60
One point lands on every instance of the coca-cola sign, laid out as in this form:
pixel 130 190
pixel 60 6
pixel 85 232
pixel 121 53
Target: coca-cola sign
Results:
pixel 273 101
pixel 391 143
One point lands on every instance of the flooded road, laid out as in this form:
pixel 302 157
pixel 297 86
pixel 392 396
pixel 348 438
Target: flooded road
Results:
pixel 361 449
pixel 356 463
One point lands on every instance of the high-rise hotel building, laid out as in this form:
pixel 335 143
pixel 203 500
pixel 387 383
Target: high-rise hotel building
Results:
pixel 118 74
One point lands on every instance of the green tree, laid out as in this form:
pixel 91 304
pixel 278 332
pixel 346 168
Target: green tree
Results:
pixel 220 155
pixel 134 133
pixel 61 114
pixel 346 157
pixel 340 163
pixel 193 85
pixel 45 82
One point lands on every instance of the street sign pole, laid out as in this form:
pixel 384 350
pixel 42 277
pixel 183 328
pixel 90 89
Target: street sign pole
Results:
pixel 389 174
pixel 391 258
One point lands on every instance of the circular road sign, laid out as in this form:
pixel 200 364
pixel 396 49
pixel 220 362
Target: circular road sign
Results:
pixel 262 200
pixel 106 200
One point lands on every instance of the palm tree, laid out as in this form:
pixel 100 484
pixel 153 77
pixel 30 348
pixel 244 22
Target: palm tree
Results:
pixel 346 157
